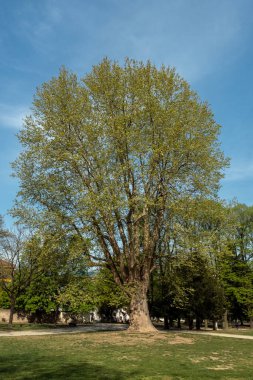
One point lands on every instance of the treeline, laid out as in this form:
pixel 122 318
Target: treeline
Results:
pixel 203 270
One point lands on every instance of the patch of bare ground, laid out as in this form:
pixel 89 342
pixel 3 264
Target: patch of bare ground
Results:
pixel 132 339
pixel 181 340
pixel 221 367
pixel 198 360
pixel 210 359
pixel 220 363
pixel 166 353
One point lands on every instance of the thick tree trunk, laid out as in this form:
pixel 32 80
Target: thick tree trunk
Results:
pixel 139 313
pixel 251 322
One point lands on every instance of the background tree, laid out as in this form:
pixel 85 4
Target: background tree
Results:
pixel 108 295
pixel 18 265
pixel 92 291
pixel 110 155
pixel 237 268
pixel 188 279
pixel 61 264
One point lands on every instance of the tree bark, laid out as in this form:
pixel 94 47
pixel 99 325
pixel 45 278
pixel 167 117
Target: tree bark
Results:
pixel 12 309
pixel 251 322
pixel 215 325
pixel 166 322
pixel 225 320
pixel 139 313
pixel 190 322
pixel 171 322
pixel 198 323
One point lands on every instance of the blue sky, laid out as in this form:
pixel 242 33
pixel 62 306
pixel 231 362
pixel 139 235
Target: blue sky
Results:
pixel 209 42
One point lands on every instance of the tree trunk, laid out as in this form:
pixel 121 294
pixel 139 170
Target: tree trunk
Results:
pixel 190 322
pixel 12 309
pixel 198 323
pixel 171 322
pixel 251 322
pixel 166 322
pixel 215 325
pixel 139 313
pixel 225 320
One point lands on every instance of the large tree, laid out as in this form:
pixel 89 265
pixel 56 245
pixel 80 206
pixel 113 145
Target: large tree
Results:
pixel 112 155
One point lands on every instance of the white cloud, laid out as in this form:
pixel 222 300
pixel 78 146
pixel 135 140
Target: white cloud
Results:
pixel 12 116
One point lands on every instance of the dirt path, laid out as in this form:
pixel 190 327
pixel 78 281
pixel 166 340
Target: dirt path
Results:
pixel 225 335
pixel 68 330
pixel 109 327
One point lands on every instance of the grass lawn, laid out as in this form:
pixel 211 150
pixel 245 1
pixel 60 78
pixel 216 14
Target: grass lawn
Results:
pixel 29 326
pixel 120 355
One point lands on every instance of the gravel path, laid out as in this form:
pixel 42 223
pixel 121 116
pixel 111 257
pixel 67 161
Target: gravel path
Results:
pixel 109 327
pixel 68 330
pixel 238 336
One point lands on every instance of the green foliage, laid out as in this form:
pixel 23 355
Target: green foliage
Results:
pixel 91 292
pixel 204 288
pixel 40 296
pixel 111 159
pixel 61 263
pixel 109 154
pixel 77 296
pixel 236 268
pixel 107 292
pixel 17 266
pixel 4 300
pixel 187 281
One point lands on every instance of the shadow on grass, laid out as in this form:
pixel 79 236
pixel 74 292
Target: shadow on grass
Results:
pixel 22 367
pixel 53 328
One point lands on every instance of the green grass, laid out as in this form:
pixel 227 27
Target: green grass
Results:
pixel 124 356
pixel 28 326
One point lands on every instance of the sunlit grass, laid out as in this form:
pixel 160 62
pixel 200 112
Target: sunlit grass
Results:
pixel 120 355
pixel 27 326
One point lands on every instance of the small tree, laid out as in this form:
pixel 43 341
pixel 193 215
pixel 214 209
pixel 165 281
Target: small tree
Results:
pixel 61 263
pixel 17 266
